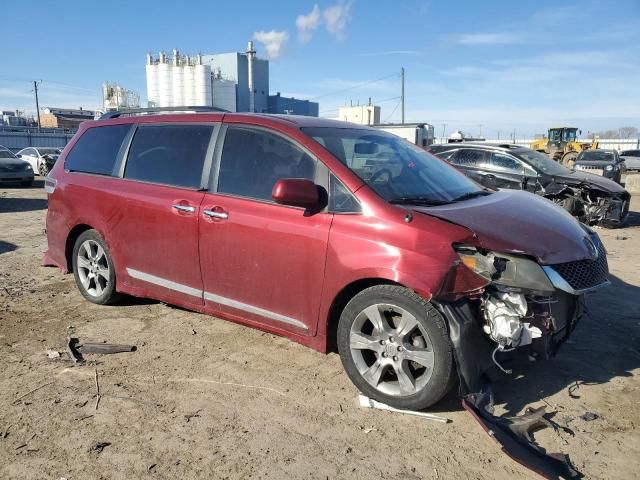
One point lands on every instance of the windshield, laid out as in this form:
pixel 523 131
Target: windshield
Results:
pixel 594 155
pixel 569 135
pixel 397 170
pixel 541 162
pixel 6 154
pixel 49 151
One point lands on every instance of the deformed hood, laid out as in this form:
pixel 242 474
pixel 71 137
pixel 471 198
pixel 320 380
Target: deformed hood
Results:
pixel 576 177
pixel 519 222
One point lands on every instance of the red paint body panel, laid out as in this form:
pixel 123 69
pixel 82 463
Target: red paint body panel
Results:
pixel 265 255
pixel 274 267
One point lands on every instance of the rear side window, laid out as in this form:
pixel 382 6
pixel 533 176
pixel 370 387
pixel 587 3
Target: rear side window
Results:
pixel 96 150
pixel 169 154
pixel 468 158
pixel 254 160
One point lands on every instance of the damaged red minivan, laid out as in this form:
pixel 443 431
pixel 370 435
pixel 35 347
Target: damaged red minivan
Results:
pixel 332 234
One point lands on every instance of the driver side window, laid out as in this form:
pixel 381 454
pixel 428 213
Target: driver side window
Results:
pixel 503 162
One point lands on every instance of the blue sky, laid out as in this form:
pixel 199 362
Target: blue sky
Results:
pixel 503 64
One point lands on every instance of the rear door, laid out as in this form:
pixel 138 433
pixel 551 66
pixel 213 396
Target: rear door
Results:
pixel 473 163
pixel 262 262
pixel 160 194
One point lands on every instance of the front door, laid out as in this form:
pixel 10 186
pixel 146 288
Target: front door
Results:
pixel 262 263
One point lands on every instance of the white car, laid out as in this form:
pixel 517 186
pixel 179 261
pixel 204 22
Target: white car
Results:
pixel 631 159
pixel 36 157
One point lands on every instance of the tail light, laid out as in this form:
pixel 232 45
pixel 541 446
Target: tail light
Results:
pixel 50 184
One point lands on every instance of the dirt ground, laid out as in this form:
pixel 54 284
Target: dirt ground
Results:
pixel 206 398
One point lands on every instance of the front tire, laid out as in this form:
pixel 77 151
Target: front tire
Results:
pixel 93 269
pixel 43 170
pixel 395 347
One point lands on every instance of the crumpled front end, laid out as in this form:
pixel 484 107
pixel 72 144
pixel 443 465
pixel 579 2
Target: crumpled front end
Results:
pixel 524 306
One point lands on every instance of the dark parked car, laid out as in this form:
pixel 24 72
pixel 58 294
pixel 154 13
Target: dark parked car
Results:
pixel 605 163
pixel 631 159
pixel 593 199
pixel 14 170
pixel 328 233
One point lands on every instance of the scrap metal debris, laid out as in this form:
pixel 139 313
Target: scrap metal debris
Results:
pixel 514 434
pixel 367 402
pixel 76 349
pixel 589 416
pixel 53 354
pixel 98 447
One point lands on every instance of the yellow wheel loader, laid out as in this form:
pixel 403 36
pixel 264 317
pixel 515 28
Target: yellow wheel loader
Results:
pixel 561 145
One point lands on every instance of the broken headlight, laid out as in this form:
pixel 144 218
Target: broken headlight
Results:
pixel 504 269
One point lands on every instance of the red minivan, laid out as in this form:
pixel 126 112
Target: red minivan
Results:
pixel 335 235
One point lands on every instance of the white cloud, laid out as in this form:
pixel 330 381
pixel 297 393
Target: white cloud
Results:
pixel 306 24
pixel 487 38
pixel 337 17
pixel 273 42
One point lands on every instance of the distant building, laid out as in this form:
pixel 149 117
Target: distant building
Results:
pixel 116 97
pixel 13 118
pixel 64 117
pixel 360 114
pixel 292 106
pixel 238 82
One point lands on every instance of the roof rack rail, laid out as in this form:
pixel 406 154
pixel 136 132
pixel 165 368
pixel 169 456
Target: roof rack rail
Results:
pixel 151 110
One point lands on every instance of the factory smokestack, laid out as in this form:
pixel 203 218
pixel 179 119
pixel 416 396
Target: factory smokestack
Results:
pixel 250 55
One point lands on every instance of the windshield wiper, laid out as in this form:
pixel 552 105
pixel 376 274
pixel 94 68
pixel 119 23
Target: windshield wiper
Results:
pixel 419 201
pixel 470 195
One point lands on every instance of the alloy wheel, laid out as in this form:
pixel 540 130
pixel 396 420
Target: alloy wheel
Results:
pixel 93 268
pixel 391 350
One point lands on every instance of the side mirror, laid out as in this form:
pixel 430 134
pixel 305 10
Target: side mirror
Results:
pixel 296 192
pixel 19 155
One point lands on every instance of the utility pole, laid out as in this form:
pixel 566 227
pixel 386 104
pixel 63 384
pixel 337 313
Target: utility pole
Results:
pixel 444 127
pixel 480 125
pixel 35 89
pixel 402 92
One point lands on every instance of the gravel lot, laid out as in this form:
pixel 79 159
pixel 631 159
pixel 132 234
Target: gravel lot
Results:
pixel 206 398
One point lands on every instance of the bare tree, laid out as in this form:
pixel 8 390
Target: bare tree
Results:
pixel 628 132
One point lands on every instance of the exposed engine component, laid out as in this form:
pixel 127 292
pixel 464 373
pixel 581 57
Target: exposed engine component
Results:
pixel 504 313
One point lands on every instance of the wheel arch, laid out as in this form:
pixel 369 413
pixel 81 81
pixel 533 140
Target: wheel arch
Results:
pixel 73 235
pixel 340 301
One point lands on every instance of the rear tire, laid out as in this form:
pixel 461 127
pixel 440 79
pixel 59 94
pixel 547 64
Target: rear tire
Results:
pixel 395 347
pixel 93 269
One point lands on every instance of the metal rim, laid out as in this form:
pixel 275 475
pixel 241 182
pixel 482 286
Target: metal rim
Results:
pixel 93 268
pixel 43 170
pixel 391 350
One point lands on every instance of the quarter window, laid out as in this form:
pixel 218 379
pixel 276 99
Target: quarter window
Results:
pixel 169 154
pixel 254 160
pixel 96 150
pixel 341 200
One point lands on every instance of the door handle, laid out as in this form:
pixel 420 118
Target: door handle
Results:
pixel 184 208
pixel 215 214
pixel 491 176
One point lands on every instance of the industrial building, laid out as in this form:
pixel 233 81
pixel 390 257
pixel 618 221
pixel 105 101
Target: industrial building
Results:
pixel 238 82
pixel 292 106
pixel 67 118
pixel 360 114
pixel 116 97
